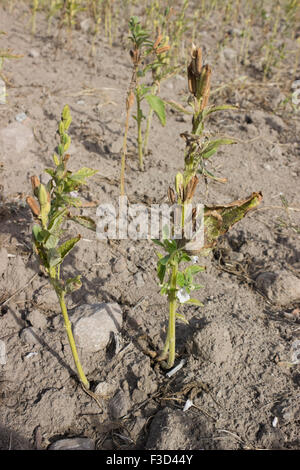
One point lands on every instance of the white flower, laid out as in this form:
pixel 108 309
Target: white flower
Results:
pixel 183 296
pixel 195 259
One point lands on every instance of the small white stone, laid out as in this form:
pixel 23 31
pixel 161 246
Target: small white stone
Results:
pixel 76 443
pixel 188 405
pixel 34 53
pixel 93 325
pixel 21 117
pixel 275 422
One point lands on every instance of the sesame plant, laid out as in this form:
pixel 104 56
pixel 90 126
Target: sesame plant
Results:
pixel 51 207
pixel 177 282
pixel 154 53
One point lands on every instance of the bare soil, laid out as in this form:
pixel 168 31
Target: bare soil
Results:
pixel 237 348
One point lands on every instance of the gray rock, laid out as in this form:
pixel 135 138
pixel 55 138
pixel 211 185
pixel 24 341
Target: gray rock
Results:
pixel 93 325
pixel 75 443
pixel 119 405
pixel 281 287
pixel 3 260
pixel 16 137
pixel 29 335
pixel 37 319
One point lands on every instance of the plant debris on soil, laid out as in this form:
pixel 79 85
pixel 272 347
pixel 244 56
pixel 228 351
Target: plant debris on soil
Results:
pixel 238 387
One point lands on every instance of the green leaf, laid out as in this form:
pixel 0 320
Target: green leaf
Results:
pixel 195 269
pixel 164 260
pixel 180 279
pixel 84 221
pixel 51 242
pixel 66 247
pixel 157 242
pixel 197 286
pixel 158 107
pixel 182 318
pixel 218 108
pixel 194 302
pixel 161 271
pixel 36 232
pixel 53 257
pixel 213 146
pixel 178 107
pixel 82 174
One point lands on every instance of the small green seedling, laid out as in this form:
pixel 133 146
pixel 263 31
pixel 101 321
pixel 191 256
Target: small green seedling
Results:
pixel 178 283
pixel 146 55
pixel 51 207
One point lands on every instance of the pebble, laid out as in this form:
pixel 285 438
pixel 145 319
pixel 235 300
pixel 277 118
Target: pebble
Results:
pixel 21 117
pixel 29 335
pixel 281 287
pixel 75 443
pixel 34 53
pixel 94 324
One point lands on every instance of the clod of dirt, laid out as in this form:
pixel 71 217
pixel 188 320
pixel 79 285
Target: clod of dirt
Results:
pixel 281 287
pixel 213 344
pixel 170 430
pixel 75 443
pixel 94 324
pixel 37 319
pixel 29 335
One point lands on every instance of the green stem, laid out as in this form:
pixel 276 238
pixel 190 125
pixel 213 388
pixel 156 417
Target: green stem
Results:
pixel 149 121
pixel 171 336
pixel 82 377
pixel 139 125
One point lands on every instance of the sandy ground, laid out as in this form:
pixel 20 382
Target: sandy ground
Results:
pixel 238 347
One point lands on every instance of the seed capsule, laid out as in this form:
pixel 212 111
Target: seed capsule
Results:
pixel 33 205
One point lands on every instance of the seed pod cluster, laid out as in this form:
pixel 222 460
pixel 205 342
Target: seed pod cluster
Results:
pixel 199 77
